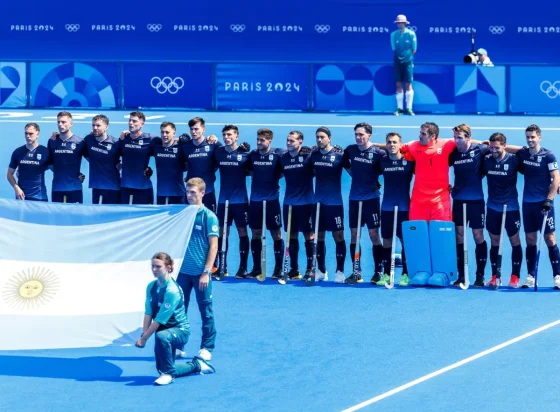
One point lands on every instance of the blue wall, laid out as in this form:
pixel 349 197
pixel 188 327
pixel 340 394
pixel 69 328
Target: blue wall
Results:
pixel 290 30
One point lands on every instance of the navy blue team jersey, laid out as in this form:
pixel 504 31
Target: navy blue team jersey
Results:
pixel 299 179
pixel 135 154
pixel 266 173
pixel 66 158
pixel 397 177
pixel 200 162
pixel 103 159
pixel 170 166
pixel 233 167
pixel 328 169
pixel 365 171
pixel 467 168
pixel 501 177
pixel 536 169
pixel 31 167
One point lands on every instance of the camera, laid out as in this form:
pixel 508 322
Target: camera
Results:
pixel 472 58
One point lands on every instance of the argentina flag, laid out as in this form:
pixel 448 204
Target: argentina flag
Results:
pixel 75 276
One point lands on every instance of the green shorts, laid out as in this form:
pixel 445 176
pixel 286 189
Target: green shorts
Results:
pixel 403 71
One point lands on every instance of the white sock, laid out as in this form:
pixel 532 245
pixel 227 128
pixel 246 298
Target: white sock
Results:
pixel 400 100
pixel 409 98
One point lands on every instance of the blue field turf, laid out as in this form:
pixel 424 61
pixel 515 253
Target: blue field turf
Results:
pixel 324 348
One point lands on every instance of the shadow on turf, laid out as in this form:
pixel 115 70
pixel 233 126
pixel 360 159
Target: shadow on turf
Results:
pixel 88 369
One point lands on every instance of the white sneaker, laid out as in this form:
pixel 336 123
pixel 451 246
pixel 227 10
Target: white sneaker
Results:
pixel 557 282
pixel 529 282
pixel 205 367
pixel 164 379
pixel 339 277
pixel 205 355
pixel 180 354
pixel 320 276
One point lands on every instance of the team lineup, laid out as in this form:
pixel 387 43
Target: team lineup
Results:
pixel 119 173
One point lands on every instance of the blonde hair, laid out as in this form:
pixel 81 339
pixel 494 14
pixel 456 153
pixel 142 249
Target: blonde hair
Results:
pixel 198 183
pixel 463 128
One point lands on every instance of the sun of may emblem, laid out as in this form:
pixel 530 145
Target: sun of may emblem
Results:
pixel 30 288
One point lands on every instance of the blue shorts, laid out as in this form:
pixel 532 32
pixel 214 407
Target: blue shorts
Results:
pixel 301 218
pixel 110 197
pixel 72 196
pixel 331 218
pixel 533 218
pixel 273 215
pixel 371 213
pixel 403 71
pixel 387 223
pixel 237 212
pixel 494 222
pixel 139 196
pixel 475 213
pixel 171 200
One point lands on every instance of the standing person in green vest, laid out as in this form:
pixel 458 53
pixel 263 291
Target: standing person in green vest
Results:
pixel 404 45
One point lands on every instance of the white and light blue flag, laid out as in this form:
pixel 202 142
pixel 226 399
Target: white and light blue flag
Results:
pixel 75 276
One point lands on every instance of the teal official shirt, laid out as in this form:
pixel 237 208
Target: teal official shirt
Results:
pixel 165 304
pixel 205 225
pixel 403 44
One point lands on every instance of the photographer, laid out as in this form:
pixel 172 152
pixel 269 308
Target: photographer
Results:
pixel 483 58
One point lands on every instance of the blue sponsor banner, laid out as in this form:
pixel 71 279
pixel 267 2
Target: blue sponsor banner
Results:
pixel 336 31
pixel 13 84
pixel 167 85
pixel 480 89
pixel 534 89
pixel 356 87
pixel 262 86
pixel 91 85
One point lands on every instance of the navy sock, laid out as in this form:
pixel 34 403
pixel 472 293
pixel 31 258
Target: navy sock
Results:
pixel 461 261
pixel 481 255
pixel 516 259
pixel 309 253
pixel 531 258
pixel 353 255
pixel 494 259
pixel 378 258
pixel 386 260
pixel 243 251
pixel 294 252
pixel 554 255
pixel 340 255
pixel 256 249
pixel 403 259
pixel 321 254
pixel 278 253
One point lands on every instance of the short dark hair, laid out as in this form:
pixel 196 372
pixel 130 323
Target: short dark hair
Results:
pixel 392 134
pixel 534 128
pixel 298 134
pixel 433 129
pixel 139 115
pixel 170 124
pixel 196 120
pixel 64 114
pixel 35 125
pixel 228 127
pixel 267 133
pixel 498 137
pixel 367 127
pixel 101 117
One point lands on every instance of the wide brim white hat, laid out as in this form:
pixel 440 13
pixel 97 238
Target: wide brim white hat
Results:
pixel 401 18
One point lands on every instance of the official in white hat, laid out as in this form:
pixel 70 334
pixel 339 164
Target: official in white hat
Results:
pixel 404 44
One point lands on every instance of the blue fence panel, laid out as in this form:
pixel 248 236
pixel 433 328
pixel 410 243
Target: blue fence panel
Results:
pixel 480 89
pixel 13 84
pixel 534 90
pixel 178 85
pixel 262 86
pixel 91 85
pixel 290 31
